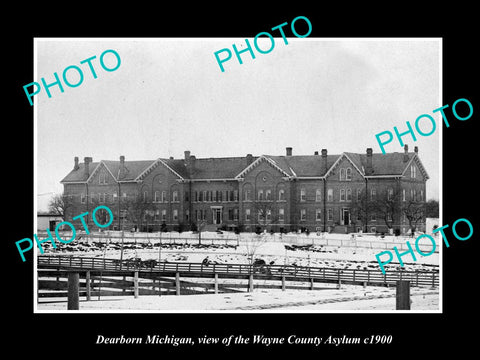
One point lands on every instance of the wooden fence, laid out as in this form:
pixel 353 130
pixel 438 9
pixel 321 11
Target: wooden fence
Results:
pixel 165 277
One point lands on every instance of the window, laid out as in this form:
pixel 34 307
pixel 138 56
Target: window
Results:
pixel 421 195
pixel 342 194
pixel 318 215
pixel 247 195
pixel 225 195
pixel 187 215
pixel 268 194
pixel 303 215
pixel 318 195
pixel 413 171
pixel 83 198
pixel 414 195
pixel 175 196
pixel 235 195
pixel 373 194
pixel 214 196
pixel 114 197
pixel 204 195
pixel 330 194
pixel 164 215
pixel 230 214
pixel 175 215
pixel 303 195
pixel 231 195
pixel 359 194
pixel 247 214
pixel 349 194
pixel 187 196
pixel 219 196
pixel 390 194
pixel 235 214
pixel 156 196
pixel 281 214
pixel 260 195
pixel 373 216
pixel 389 216
pixel 145 196
pixel 268 216
pixel 281 195
pixel 164 196
pixel 157 215
pixel 403 195
pixel 348 174
pixel 329 214
pixel 342 174
pixel 102 178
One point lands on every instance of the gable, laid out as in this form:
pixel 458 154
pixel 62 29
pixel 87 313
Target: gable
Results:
pixel 262 161
pixel 341 165
pixel 101 174
pixel 158 162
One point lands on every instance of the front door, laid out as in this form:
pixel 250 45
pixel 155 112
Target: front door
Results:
pixel 217 216
pixel 346 216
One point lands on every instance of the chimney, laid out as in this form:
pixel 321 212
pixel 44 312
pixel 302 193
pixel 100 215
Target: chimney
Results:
pixel 289 151
pixel 87 161
pixel 315 153
pixel 416 149
pixel 122 169
pixel 324 159
pixel 187 155
pixel 369 168
pixel 190 163
pixel 249 159
pixel 76 167
pixel 405 155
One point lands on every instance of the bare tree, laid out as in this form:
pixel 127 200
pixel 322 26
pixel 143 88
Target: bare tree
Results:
pixel 266 212
pixel 360 209
pixel 137 209
pixel 386 204
pixel 414 212
pixel 60 204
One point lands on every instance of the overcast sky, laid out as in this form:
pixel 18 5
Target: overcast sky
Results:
pixel 169 95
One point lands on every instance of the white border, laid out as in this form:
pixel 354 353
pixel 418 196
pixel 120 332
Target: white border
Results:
pixel 103 311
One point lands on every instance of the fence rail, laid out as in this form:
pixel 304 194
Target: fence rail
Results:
pixel 274 272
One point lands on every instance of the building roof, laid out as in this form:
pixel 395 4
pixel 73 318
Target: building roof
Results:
pixel 296 166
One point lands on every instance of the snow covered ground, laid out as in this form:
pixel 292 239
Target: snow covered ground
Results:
pixel 271 249
pixel 327 299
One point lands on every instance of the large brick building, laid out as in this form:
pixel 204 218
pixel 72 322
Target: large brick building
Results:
pixel 321 192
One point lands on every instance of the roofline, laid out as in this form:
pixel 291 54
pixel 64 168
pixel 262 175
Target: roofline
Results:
pixel 338 161
pixel 257 161
pixel 153 165
pixel 422 168
pixel 224 179
pixel 383 176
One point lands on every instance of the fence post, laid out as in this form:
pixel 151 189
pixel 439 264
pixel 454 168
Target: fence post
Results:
pixel 73 293
pixel 433 280
pixel 250 282
pixel 339 280
pixel 177 283
pixel 311 283
pixel 135 284
pixel 283 282
pixel 216 283
pixel 403 295
pixel 87 285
